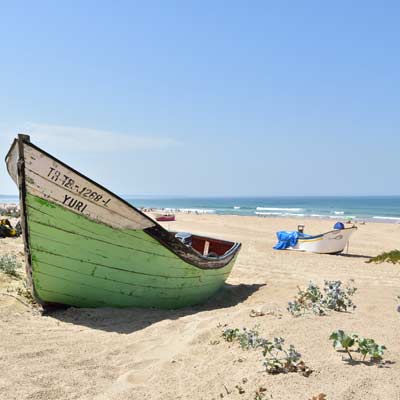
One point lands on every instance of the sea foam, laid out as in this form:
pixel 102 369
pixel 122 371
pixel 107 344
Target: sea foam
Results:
pixel 278 213
pixel 342 216
pixel 277 209
pixel 192 210
pixel 388 218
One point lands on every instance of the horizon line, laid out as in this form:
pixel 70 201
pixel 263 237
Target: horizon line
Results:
pixel 173 196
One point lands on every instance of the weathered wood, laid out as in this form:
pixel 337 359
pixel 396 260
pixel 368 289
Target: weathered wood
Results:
pixel 51 180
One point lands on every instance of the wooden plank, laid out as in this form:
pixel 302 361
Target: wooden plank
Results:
pixel 101 265
pixel 206 248
pixel 50 180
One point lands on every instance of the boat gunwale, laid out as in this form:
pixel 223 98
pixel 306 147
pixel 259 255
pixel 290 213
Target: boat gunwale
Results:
pixel 21 183
pixel 325 233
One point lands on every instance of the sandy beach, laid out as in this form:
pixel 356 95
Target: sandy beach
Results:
pixel 180 354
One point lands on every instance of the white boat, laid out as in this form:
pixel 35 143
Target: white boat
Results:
pixel 331 242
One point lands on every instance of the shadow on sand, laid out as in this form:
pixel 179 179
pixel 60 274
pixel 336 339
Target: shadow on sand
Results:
pixel 129 320
pixel 382 364
pixel 354 256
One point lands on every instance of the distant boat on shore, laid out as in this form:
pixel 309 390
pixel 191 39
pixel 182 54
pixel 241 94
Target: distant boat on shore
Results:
pixel 165 217
pixel 87 247
pixel 332 242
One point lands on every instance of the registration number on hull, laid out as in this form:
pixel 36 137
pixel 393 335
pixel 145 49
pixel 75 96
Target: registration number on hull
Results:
pixel 67 182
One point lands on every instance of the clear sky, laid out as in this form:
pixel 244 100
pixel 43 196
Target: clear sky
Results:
pixel 207 97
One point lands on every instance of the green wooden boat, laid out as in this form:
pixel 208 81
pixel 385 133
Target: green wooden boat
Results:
pixel 87 247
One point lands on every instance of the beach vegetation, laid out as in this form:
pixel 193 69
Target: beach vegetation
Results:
pixel 338 298
pixel 9 265
pixel 343 340
pixel 278 358
pixel 389 256
pixel 353 342
pixel 333 297
pixel 247 338
pixel 230 334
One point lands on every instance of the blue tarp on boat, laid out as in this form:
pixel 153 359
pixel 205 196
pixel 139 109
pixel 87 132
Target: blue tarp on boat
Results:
pixel 286 239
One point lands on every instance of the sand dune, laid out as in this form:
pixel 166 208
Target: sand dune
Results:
pixel 179 354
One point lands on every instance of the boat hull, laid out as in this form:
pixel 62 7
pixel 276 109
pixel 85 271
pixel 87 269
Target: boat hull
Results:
pixel 82 263
pixel 327 243
pixel 165 218
pixel 99 251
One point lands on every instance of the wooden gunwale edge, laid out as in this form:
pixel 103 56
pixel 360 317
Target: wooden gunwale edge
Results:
pixel 325 233
pixel 24 218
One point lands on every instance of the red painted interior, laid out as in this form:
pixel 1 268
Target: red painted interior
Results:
pixel 166 218
pixel 219 247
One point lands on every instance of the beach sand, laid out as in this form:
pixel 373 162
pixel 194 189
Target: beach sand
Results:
pixel 151 354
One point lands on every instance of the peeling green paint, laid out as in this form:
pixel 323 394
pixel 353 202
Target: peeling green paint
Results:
pixel 83 263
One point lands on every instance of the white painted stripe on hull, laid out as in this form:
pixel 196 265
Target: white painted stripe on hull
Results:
pixel 52 181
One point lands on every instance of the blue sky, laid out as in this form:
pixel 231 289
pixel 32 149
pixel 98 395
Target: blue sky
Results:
pixel 208 97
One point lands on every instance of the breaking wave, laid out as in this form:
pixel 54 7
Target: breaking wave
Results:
pixel 279 213
pixel 277 209
pixel 388 218
pixel 193 210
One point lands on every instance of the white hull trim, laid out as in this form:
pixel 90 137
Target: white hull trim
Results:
pixel 326 243
pixel 51 180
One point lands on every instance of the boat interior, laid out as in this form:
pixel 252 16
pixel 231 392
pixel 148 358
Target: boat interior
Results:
pixel 208 247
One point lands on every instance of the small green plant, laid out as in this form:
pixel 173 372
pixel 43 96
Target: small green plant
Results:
pixel 342 340
pixel 369 347
pixel 250 338
pixel 338 298
pixel 282 360
pixel 9 265
pixel 277 358
pixel 308 299
pixel 389 256
pixel 230 334
pixel 334 297
pixel 247 338
pixel 365 346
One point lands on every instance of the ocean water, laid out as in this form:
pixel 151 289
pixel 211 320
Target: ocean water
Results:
pixel 374 208
pixel 5 199
pixel 382 208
